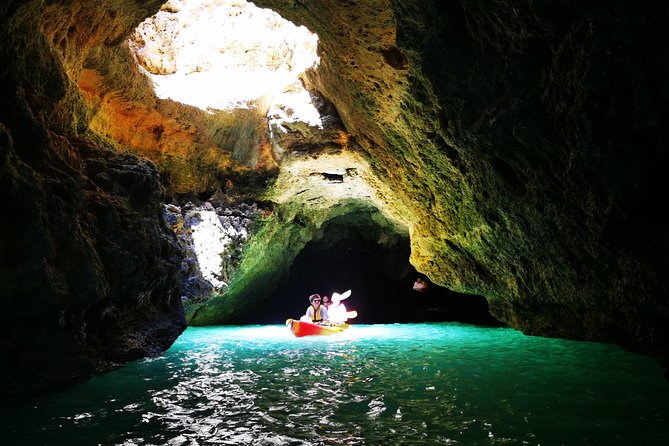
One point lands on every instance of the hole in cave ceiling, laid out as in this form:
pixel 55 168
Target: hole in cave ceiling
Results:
pixel 226 54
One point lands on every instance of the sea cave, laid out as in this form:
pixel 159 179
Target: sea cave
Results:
pixel 212 163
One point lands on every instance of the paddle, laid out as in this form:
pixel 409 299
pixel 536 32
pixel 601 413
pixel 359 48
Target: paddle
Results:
pixel 336 297
pixel 342 296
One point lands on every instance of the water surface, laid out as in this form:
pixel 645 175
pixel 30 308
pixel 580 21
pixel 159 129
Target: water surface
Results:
pixel 404 384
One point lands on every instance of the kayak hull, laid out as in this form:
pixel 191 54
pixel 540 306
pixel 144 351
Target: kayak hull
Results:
pixel 301 328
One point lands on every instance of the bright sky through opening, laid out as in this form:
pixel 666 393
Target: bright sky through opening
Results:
pixel 224 54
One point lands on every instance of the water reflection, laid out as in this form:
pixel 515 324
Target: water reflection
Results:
pixel 385 384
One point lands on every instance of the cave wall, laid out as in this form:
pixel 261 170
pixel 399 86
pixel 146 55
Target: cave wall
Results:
pixel 195 151
pixel 525 147
pixel 88 268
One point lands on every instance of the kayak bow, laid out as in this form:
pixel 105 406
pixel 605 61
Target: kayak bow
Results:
pixel 301 328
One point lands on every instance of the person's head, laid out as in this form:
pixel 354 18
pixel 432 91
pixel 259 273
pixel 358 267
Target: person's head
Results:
pixel 326 301
pixel 315 300
pixel 421 284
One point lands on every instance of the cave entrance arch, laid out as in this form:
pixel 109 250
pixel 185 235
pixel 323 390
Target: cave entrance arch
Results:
pixel 352 251
pixel 364 252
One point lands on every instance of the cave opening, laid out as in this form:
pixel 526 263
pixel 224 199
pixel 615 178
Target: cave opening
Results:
pixel 353 251
pixel 228 54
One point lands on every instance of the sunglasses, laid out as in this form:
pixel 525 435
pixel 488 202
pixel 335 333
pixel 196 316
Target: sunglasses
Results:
pixel 316 300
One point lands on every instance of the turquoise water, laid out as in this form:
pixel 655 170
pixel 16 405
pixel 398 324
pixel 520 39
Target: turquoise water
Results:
pixel 409 384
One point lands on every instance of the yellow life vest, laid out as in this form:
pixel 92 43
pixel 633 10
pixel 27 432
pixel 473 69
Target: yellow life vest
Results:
pixel 315 317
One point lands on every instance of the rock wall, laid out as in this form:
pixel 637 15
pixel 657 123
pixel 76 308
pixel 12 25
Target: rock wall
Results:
pixel 525 148
pixel 88 269
pixel 212 236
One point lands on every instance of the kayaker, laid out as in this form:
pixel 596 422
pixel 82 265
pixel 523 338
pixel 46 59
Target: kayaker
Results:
pixel 326 301
pixel 421 284
pixel 316 313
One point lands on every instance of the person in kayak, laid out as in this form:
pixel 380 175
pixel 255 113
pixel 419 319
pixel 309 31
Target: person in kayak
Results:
pixel 326 301
pixel 316 313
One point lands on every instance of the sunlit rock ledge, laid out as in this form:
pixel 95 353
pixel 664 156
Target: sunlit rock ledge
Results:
pixel 520 150
pixel 212 236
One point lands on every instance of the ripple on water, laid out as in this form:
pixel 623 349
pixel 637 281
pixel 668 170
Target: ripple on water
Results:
pixel 378 384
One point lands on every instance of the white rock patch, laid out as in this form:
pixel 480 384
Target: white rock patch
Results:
pixel 209 240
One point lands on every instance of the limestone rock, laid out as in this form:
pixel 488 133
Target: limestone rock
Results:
pixel 89 270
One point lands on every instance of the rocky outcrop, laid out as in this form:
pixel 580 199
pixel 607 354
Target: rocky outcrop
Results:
pixel 212 236
pixel 89 270
pixel 193 283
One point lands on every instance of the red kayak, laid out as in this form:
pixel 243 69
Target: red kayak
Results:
pixel 301 328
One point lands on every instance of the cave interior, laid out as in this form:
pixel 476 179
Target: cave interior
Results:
pixel 513 158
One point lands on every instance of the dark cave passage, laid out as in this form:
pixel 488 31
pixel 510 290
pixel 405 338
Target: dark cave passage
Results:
pixel 358 254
